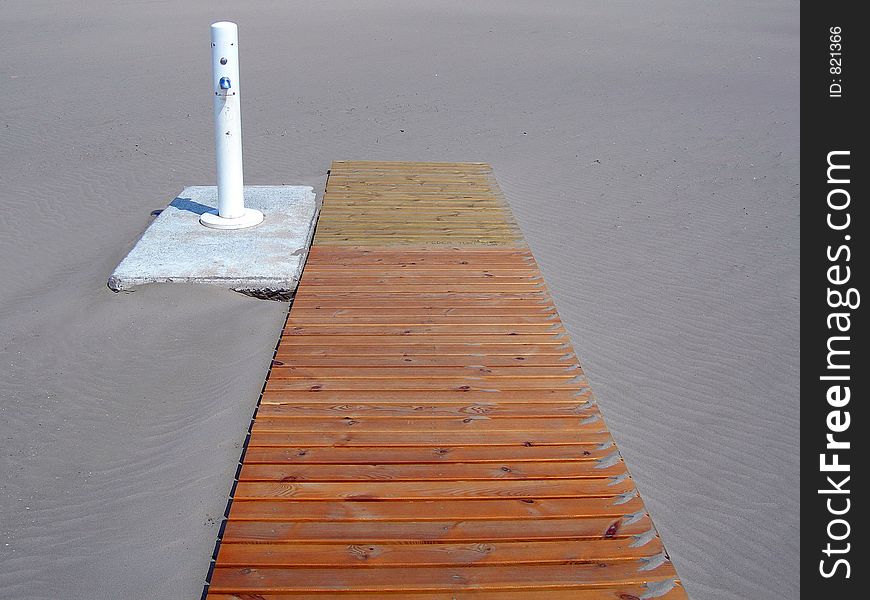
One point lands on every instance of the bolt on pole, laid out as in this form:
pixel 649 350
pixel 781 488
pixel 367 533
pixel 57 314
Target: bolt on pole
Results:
pixel 231 212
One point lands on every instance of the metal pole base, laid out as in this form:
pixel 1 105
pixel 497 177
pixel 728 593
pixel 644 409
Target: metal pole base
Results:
pixel 249 218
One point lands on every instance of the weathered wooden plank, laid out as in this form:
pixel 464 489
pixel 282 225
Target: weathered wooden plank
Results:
pixel 393 165
pixel 667 589
pixel 392 532
pixel 369 329
pixel 425 339
pixel 514 370
pixel 424 438
pixel 563 552
pixel 480 423
pixel 459 385
pixel 579 575
pixel 427 411
pixel 429 226
pixel 516 273
pixel 425 455
pixel 320 312
pixel 423 238
pixel 540 321
pixel 436 490
pixel 532 300
pixel 412 253
pixel 408 347
pixel 347 301
pixel 425 256
pixel 449 285
pixel 428 472
pixel 300 360
pixel 445 280
pixel 275 395
pixel 409 371
pixel 369 216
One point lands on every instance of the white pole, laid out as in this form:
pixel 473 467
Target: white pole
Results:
pixel 231 212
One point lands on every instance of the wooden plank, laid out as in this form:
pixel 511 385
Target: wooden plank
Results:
pixel 445 261
pixel 396 532
pixel 429 555
pixel 506 312
pixel 425 339
pixel 347 301
pixel 382 272
pixel 393 165
pixel 430 411
pixel 274 395
pixel 300 360
pixel 424 455
pixel 370 251
pixel 377 329
pixel 397 439
pixel 402 234
pixel 353 241
pixel 386 226
pixel 359 212
pixel 469 269
pixel 444 280
pixel 483 256
pixel 412 510
pixel 459 385
pixel 423 298
pixel 478 257
pixel 435 489
pixel 337 318
pixel 480 423
pixel 432 377
pixel 427 472
pixel 477 397
pixel 578 575
pixel 622 591
pixel 409 371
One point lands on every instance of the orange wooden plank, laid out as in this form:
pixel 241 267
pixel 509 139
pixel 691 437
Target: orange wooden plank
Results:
pixel 427 472
pixel 398 439
pixel 349 299
pixel 458 384
pixel 436 490
pixel 634 527
pixel 428 555
pixel 666 589
pixel 578 575
pixel 504 339
pixel 408 350
pixel 320 316
pixel 322 360
pixel 477 423
pixel 427 411
pixel 437 510
pixel 272 395
pixel 409 371
pixel 384 455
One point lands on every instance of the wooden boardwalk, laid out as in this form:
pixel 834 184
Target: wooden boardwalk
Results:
pixel 426 431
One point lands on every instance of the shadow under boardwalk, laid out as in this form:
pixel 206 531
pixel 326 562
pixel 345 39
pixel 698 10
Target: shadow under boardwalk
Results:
pixel 426 430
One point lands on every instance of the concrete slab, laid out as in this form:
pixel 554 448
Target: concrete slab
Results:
pixel 264 261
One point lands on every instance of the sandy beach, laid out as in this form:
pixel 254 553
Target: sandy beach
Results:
pixel 649 151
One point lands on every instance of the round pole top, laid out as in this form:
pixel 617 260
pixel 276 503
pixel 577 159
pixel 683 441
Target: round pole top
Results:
pixel 224 25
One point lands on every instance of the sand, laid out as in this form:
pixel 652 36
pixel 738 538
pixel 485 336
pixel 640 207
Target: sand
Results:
pixel 649 150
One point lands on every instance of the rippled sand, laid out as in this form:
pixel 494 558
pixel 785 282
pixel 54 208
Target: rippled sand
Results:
pixel 649 150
